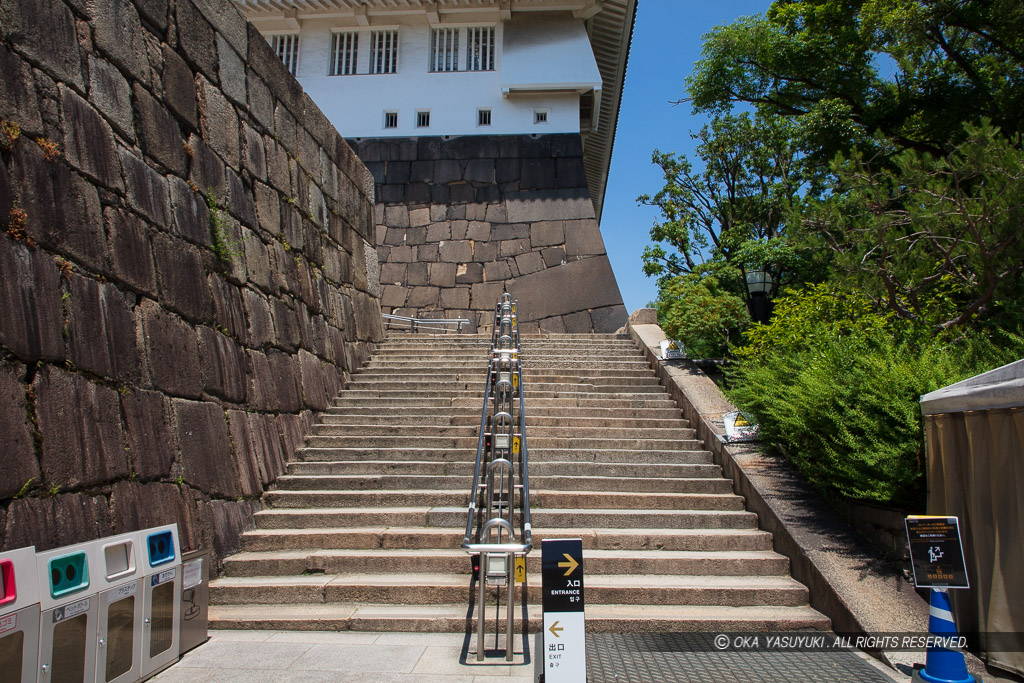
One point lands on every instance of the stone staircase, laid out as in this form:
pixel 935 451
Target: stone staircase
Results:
pixel 364 530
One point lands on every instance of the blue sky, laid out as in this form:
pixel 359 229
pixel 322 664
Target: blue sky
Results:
pixel 666 43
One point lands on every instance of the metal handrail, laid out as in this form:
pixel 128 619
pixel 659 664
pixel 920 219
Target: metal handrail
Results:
pixel 415 322
pixel 504 356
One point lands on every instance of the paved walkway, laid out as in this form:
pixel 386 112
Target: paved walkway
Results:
pixel 347 656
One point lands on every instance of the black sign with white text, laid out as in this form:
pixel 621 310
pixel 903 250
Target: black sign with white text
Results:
pixel 562 574
pixel 936 553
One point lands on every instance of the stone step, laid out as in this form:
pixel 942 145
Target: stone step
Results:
pixel 539 498
pixel 570 350
pixel 438 369
pixel 561 482
pixel 536 455
pixel 457 561
pixel 455 518
pixel 525 339
pixel 535 432
pixel 529 358
pixel 416 385
pixel 472 419
pixel 535 442
pixel 395 336
pixel 539 364
pixel 365 529
pixel 453 618
pixel 538 471
pixel 344 400
pixel 473 411
pixel 529 395
pixel 529 376
pixel 433 589
pixel 392 537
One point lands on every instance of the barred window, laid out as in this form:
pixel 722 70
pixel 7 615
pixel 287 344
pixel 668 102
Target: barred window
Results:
pixel 444 49
pixel 287 48
pixel 481 48
pixel 344 54
pixel 391 119
pixel 422 119
pixel 384 52
pixel 483 117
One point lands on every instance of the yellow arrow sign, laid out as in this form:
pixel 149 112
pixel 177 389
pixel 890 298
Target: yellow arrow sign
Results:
pixel 571 564
pixel 520 569
pixel 555 629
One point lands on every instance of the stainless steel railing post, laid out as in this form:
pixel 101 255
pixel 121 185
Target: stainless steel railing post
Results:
pixel 501 446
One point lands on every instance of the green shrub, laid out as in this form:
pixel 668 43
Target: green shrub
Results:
pixel 836 388
pixel 701 315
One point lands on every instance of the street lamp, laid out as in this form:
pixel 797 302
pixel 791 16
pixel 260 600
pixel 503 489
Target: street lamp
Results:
pixel 759 286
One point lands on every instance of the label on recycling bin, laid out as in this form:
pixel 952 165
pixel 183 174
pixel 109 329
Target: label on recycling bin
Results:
pixel 126 591
pixel 71 610
pixel 192 574
pixel 9 623
pixel 163 576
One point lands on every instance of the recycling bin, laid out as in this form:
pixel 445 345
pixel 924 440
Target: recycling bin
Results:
pixel 19 615
pixel 195 599
pixel 68 611
pixel 119 581
pixel 161 598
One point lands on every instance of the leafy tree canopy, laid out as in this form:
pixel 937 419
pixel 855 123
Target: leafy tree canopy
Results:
pixel 826 64
pixel 728 216
pixel 932 239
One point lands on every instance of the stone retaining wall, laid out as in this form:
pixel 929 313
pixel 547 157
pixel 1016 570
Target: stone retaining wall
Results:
pixel 185 272
pixel 462 219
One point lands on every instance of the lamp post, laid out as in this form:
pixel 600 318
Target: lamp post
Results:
pixel 759 285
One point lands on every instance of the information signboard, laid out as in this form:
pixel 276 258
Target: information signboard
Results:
pixel 565 654
pixel 740 427
pixel 672 349
pixel 936 552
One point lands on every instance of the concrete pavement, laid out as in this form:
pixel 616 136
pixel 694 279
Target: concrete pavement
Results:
pixel 353 656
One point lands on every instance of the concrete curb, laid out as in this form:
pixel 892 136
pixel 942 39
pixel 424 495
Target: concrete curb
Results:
pixel 848 582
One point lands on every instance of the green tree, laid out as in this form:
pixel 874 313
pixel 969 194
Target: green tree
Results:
pixel 934 239
pixel 700 314
pixel 721 221
pixel 848 71
pixel 728 215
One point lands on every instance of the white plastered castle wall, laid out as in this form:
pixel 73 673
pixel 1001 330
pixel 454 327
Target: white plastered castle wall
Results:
pixel 550 81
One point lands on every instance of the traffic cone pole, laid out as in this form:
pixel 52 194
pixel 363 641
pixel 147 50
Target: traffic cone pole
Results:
pixel 943 665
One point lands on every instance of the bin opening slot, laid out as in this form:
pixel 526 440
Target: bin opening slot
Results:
pixel 161 548
pixel 8 584
pixel 68 574
pixel 120 561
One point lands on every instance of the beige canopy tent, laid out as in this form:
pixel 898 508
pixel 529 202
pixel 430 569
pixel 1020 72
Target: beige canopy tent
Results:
pixel 974 434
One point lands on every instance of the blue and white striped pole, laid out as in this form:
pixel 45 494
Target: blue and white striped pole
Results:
pixel 943 665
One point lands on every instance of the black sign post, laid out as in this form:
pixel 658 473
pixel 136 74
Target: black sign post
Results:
pixel 565 655
pixel 936 553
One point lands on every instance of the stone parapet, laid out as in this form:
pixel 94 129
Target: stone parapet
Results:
pixel 460 220
pixel 183 269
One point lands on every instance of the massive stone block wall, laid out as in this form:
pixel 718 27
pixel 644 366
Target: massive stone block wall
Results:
pixel 183 269
pixel 462 219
